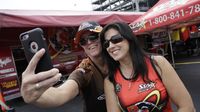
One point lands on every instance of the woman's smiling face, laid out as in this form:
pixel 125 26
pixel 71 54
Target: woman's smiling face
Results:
pixel 119 49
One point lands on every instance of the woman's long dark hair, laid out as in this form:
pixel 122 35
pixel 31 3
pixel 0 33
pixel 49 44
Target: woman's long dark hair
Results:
pixel 136 52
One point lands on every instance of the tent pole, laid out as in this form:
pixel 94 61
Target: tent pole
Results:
pixel 170 43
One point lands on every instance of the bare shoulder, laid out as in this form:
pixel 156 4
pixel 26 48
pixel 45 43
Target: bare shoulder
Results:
pixel 160 60
pixel 165 66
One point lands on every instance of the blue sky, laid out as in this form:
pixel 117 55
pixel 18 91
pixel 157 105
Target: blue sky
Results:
pixel 83 5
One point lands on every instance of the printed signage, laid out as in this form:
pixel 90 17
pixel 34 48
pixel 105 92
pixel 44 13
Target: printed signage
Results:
pixel 164 17
pixel 9 84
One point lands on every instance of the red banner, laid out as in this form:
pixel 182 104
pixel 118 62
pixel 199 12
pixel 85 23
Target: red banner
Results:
pixel 166 13
pixel 9 84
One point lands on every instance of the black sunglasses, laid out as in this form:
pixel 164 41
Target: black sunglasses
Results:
pixel 114 39
pixel 92 37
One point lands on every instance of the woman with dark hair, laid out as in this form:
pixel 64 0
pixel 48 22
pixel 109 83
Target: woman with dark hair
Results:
pixel 138 81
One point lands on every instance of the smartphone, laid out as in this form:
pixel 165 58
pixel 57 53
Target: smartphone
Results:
pixel 32 41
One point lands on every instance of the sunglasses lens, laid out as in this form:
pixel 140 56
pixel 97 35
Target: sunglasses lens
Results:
pixel 114 39
pixel 92 37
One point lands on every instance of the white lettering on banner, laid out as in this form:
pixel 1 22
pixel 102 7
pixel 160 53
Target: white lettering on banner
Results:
pixel 5 62
pixel 190 10
pixel 8 75
pixel 138 25
pixel 7 70
pixel 166 6
pixel 11 91
pixel 175 14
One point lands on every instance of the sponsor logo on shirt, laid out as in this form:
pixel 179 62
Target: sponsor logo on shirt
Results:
pixel 146 86
pixel 101 97
pixel 147 106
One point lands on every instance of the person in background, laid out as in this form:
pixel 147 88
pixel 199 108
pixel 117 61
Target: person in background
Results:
pixel 86 80
pixel 139 81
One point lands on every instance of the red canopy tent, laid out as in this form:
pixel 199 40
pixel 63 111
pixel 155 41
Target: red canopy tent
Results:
pixel 168 15
pixel 35 18
pixel 13 22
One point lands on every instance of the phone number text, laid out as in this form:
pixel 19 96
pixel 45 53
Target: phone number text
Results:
pixel 175 14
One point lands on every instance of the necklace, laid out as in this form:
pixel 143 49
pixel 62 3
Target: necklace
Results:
pixel 130 81
pixel 128 78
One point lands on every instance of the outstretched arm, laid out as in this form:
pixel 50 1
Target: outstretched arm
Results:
pixel 37 88
pixel 54 97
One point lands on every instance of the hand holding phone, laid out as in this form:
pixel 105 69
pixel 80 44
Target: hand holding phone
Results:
pixel 32 41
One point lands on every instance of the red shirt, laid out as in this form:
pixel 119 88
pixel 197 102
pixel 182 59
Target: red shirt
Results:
pixel 138 95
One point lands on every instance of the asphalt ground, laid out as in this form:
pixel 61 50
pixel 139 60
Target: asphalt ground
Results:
pixel 75 105
pixel 189 72
pixel 188 69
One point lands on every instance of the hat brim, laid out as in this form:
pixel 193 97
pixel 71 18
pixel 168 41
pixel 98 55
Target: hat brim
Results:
pixel 78 34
